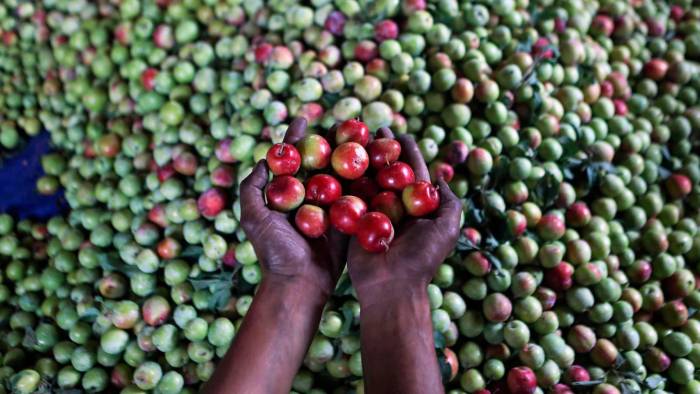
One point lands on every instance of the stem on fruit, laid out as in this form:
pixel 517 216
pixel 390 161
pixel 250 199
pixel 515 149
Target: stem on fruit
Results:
pixel 385 245
pixel 280 151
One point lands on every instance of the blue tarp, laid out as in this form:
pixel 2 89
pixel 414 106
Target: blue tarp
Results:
pixel 18 176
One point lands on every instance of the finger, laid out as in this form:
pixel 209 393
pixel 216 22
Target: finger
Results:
pixel 338 246
pixel 450 210
pixel 338 241
pixel 385 132
pixel 252 193
pixel 407 224
pixel 295 131
pixel 355 250
pixel 412 155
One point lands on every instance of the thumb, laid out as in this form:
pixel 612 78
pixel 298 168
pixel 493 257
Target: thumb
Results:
pixel 252 194
pixel 295 131
pixel 385 132
pixel 449 213
pixel 338 248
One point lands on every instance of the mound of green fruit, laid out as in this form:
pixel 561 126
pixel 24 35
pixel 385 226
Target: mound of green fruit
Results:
pixel 570 129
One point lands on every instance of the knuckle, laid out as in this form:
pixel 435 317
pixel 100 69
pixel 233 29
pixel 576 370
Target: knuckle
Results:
pixel 246 218
pixel 405 140
pixel 248 226
pixel 246 201
pixel 454 229
pixel 246 184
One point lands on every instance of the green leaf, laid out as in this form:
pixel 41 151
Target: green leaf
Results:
pixel 544 14
pixel 666 153
pixel 586 75
pixel 47 387
pixel 439 339
pixel 445 368
pixel 474 216
pixel 525 46
pixel 219 286
pixel 328 100
pixel 203 284
pixel 465 245
pixel 215 282
pixel 192 251
pixel 219 299
pixel 585 174
pixel 29 340
pixel 567 173
pixel 344 286
pixel 90 314
pixel 627 388
pixel 500 171
pixel 569 147
pixel 663 172
pixel 619 361
pixel 546 190
pixel 522 149
pixel 536 103
pixel 535 12
pixel 498 226
pixel 348 318
pixel 495 261
pixel 590 383
pixel 603 166
pixel 375 11
pixel 66 391
pixel 570 167
pixel 44 390
pixel 490 242
pixel 633 376
pixel 111 262
pixel 590 178
pixel 507 101
pixel 669 35
pixel 530 78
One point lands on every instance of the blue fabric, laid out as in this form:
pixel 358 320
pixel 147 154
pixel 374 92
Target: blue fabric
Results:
pixel 18 176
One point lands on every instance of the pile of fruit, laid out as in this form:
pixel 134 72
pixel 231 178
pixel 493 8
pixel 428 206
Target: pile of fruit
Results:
pixel 23 66
pixel 569 128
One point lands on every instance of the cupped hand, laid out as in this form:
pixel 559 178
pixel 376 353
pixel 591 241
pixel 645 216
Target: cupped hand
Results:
pixel 283 252
pixel 420 244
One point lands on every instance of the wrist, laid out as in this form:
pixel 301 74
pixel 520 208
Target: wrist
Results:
pixel 294 288
pixel 391 294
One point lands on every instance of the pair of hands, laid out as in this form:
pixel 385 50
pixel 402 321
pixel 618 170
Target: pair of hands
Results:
pixel 419 246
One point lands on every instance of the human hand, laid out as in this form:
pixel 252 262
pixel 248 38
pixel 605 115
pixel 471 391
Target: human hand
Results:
pixel 283 252
pixel 419 246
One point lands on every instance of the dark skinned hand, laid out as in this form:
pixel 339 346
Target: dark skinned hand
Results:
pixel 298 277
pixel 420 245
pixel 282 251
pixel 396 331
